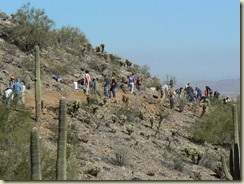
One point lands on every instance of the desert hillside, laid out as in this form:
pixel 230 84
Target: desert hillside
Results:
pixel 135 136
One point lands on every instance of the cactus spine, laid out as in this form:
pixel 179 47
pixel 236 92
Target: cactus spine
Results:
pixel 234 160
pixel 35 156
pixel 62 139
pixel 38 86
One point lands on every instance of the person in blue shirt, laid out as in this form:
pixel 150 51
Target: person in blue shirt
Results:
pixel 94 85
pixel 199 93
pixel 17 88
pixel 106 86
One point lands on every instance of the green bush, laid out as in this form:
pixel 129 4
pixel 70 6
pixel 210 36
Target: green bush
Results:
pixel 71 37
pixel 153 82
pixel 33 27
pixel 216 126
pixel 15 126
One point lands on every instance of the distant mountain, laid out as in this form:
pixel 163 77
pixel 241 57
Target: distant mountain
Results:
pixel 230 87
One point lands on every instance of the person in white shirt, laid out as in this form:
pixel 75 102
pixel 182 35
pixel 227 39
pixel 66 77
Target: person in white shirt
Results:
pixel 23 92
pixel 7 95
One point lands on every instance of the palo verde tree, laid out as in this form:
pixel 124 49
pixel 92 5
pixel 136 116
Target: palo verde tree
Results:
pixel 32 27
pixel 71 37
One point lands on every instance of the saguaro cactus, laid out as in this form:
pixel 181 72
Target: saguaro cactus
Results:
pixel 38 86
pixel 62 139
pixel 234 160
pixel 35 156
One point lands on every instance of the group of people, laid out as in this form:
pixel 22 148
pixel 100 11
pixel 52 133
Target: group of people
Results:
pixel 15 92
pixel 194 94
pixel 110 85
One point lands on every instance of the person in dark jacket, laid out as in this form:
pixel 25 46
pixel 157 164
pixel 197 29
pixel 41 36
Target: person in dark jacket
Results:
pixel 113 87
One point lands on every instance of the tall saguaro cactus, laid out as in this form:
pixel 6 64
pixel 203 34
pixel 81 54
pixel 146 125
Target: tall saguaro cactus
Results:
pixel 234 160
pixel 38 86
pixel 35 156
pixel 62 139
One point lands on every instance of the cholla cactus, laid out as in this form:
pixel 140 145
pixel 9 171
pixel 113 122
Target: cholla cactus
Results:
pixel 94 170
pixel 130 129
pixel 194 153
pixel 114 118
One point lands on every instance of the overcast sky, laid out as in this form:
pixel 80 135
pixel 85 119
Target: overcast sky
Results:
pixel 189 39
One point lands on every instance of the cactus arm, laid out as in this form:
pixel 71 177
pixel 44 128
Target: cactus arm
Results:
pixel 227 174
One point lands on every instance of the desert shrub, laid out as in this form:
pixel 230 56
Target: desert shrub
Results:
pixel 182 101
pixel 27 64
pixel 71 37
pixel 153 82
pixel 170 79
pixel 59 69
pixel 179 163
pixel 32 28
pixel 15 126
pixel 216 126
pixel 93 170
pixel 144 70
pixel 121 156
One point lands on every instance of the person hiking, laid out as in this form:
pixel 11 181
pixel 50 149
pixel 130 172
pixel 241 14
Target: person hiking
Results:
pixel 178 91
pixel 216 94
pixel 7 96
pixel 57 78
pixel 171 96
pixel 227 100
pixel 131 81
pixel 94 85
pixel 87 81
pixel 204 102
pixel 11 82
pixel 23 92
pixel 199 93
pixel 195 93
pixel 139 84
pixel 208 91
pixel 190 92
pixel 17 87
pixel 106 86
pixel 113 87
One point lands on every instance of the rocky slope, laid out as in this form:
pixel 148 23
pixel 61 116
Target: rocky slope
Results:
pixel 150 139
